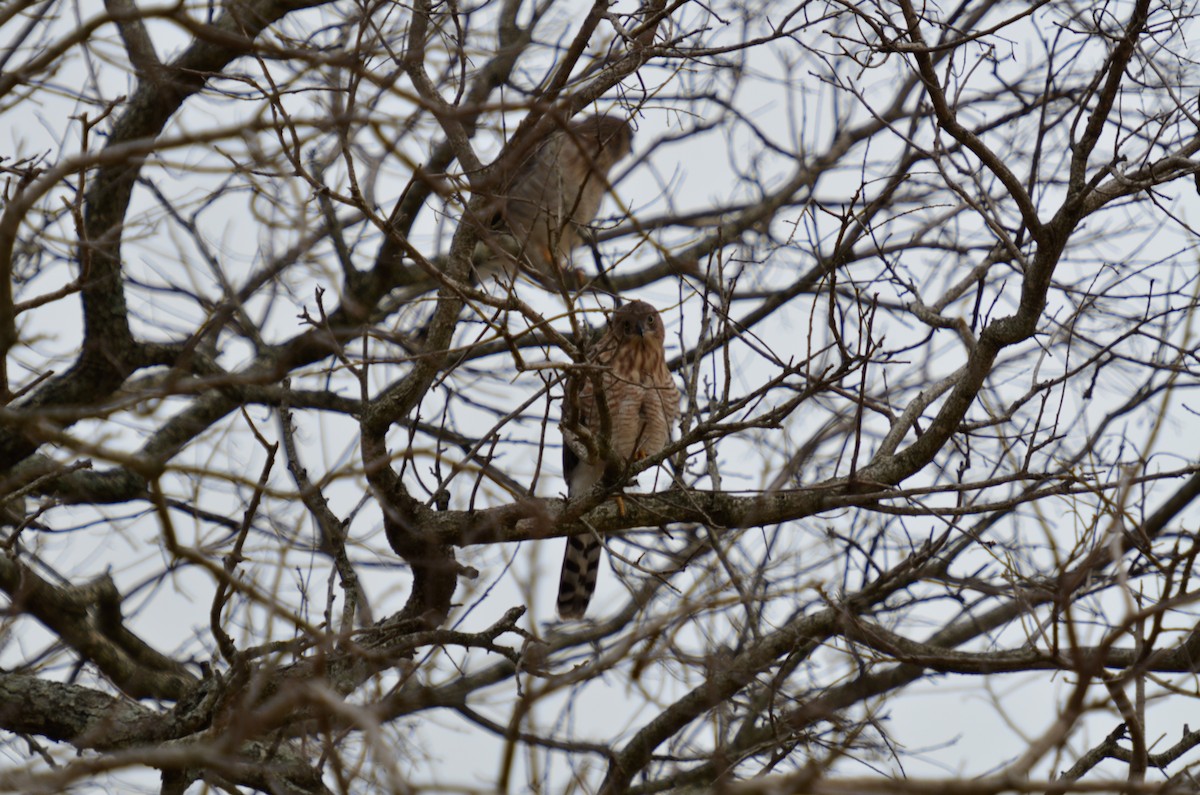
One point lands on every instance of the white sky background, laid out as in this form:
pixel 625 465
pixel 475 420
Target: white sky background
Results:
pixel 949 724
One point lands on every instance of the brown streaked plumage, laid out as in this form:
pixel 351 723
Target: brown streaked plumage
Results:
pixel 642 402
pixel 556 192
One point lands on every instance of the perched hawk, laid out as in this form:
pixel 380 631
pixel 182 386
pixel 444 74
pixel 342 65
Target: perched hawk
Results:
pixel 642 402
pixel 556 192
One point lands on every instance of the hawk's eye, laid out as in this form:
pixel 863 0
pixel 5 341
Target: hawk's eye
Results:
pixel 650 322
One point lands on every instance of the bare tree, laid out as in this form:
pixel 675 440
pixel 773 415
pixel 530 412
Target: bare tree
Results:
pixel 280 444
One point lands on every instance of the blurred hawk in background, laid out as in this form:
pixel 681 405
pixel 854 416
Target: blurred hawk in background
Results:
pixel 556 192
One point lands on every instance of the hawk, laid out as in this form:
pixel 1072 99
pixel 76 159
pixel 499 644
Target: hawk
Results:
pixel 556 192
pixel 642 403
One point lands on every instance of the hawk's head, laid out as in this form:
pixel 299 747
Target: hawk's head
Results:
pixel 637 320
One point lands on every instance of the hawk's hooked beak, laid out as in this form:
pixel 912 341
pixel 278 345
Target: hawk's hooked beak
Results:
pixel 640 328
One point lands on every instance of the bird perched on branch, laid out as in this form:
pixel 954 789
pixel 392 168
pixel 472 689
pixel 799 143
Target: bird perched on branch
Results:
pixel 641 402
pixel 555 193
